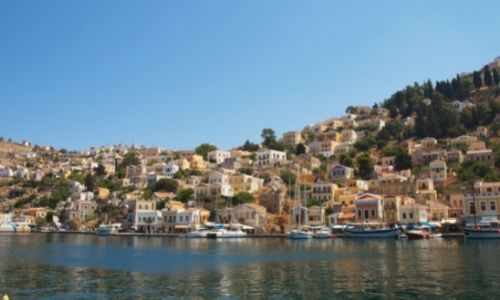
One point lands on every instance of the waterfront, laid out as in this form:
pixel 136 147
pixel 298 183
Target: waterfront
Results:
pixel 61 266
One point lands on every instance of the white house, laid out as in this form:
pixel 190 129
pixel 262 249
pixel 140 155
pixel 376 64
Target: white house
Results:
pixel 22 172
pixel 413 213
pixel 341 173
pixel 438 170
pixel 218 177
pixel 171 168
pixel 369 207
pixel 6 171
pixel 270 158
pixel 218 156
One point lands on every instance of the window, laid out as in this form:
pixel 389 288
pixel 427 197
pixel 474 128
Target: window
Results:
pixel 359 212
pixel 404 215
pixel 493 206
pixel 483 206
pixel 411 215
pixel 472 208
pixel 366 214
pixel 373 213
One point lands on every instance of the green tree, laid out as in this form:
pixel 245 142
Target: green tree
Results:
pixel 300 149
pixel 204 148
pixel 100 170
pixel 89 182
pixel 185 195
pixel 247 171
pixel 346 160
pixel 249 146
pixel 242 197
pixel 365 165
pixel 269 140
pixel 496 77
pixel 488 80
pixel 288 177
pixel 268 136
pixel 130 159
pixel 477 80
pixel 165 184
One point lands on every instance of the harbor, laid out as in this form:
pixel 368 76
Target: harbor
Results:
pixel 87 266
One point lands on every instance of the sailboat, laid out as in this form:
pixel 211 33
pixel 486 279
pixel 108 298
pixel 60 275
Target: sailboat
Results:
pixel 299 234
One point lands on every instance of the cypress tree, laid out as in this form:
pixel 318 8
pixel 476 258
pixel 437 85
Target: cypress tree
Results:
pixel 496 77
pixel 476 78
pixel 487 76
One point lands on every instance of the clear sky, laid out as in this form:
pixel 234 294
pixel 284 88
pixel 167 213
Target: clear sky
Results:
pixel 178 73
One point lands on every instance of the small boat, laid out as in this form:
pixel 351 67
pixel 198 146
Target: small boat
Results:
pixel 371 230
pixel 300 234
pixel 450 228
pixel 7 227
pixel 488 228
pixel 424 231
pixel 104 230
pixel 220 232
pixel 323 233
pixel 202 233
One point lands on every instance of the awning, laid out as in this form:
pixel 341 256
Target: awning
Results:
pixel 182 226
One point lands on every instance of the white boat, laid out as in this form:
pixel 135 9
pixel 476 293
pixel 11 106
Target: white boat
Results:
pixel 197 234
pixel 323 233
pixel 424 231
pixel 220 232
pixel 371 230
pixel 7 227
pixel 104 230
pixel 488 228
pixel 233 233
pixel 300 234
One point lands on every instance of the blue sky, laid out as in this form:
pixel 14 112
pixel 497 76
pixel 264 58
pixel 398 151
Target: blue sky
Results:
pixel 178 73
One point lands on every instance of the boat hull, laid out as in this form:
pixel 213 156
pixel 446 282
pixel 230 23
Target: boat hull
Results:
pixel 482 234
pixel 421 235
pixel 300 235
pixel 378 233
pixel 322 235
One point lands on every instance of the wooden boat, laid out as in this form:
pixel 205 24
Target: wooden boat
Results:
pixel 488 228
pixel 371 230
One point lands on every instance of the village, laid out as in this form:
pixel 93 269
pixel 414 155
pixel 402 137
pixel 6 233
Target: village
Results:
pixel 322 175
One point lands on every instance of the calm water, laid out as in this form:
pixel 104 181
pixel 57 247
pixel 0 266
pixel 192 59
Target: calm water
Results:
pixel 66 266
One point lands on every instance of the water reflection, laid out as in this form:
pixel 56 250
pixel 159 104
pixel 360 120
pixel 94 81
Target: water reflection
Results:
pixel 84 266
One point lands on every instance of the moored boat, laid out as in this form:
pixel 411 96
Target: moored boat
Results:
pixel 371 230
pixel 488 228
pixel 323 233
pixel 221 232
pixel 202 233
pixel 424 231
pixel 104 230
pixel 297 234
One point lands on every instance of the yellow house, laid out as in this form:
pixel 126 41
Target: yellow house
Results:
pixel 198 163
pixel 103 192
pixel 183 164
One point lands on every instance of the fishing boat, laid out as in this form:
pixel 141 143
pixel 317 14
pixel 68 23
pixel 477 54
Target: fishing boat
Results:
pixel 450 228
pixel 370 230
pixel 423 231
pixel 487 228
